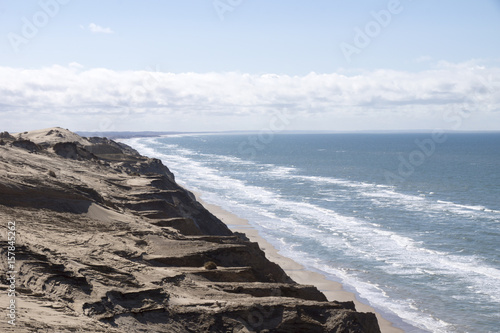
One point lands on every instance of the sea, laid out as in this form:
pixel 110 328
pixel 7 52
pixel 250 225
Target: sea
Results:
pixel 410 223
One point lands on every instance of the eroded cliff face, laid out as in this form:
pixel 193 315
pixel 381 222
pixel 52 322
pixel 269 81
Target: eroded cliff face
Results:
pixel 108 242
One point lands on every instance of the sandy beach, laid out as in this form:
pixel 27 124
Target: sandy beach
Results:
pixel 334 291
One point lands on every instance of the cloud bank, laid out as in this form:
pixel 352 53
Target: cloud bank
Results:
pixel 103 99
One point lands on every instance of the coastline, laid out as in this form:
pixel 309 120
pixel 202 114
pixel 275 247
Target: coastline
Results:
pixel 136 248
pixel 333 290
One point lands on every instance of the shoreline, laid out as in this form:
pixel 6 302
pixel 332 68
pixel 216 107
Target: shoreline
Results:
pixel 334 291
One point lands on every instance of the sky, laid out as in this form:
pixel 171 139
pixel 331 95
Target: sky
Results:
pixel 218 65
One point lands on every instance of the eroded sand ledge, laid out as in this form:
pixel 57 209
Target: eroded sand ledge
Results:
pixel 108 242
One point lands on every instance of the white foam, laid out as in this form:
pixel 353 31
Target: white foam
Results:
pixel 405 309
pixel 230 159
pixel 413 202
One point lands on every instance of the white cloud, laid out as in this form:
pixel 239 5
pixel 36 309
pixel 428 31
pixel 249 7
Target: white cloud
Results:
pixel 98 29
pixel 92 99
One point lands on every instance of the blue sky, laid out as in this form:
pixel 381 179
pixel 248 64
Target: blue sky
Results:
pixel 167 65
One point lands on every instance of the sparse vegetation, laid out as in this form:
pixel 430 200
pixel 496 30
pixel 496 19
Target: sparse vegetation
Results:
pixel 210 265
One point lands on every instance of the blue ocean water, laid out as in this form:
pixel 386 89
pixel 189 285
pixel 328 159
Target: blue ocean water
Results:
pixel 408 222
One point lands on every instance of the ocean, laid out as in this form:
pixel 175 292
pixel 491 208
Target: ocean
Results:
pixel 410 223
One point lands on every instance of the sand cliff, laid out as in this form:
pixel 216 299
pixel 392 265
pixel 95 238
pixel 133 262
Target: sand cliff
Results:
pixel 106 241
